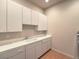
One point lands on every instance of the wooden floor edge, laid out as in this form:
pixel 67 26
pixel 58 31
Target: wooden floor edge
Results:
pixel 44 54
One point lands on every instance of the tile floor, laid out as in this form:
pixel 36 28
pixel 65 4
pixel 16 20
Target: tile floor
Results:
pixel 55 55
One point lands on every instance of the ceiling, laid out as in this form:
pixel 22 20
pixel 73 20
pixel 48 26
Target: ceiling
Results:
pixel 43 4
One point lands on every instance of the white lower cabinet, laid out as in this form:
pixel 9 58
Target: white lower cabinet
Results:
pixel 2 57
pixel 16 53
pixel 38 49
pixel 46 45
pixel 30 51
pixel 18 56
pixel 34 50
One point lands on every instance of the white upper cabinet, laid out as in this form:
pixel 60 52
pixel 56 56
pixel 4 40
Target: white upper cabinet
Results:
pixel 35 17
pixel 27 16
pixel 14 17
pixel 42 23
pixel 2 15
pixel 45 22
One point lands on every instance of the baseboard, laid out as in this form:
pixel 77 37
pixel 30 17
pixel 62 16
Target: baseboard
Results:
pixel 64 53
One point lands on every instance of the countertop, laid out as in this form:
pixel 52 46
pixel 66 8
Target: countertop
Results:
pixel 22 43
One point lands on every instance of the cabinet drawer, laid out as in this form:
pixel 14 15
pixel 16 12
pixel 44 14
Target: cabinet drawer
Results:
pixel 12 52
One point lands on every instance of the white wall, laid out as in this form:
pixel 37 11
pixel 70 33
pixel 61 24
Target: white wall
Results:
pixel 63 22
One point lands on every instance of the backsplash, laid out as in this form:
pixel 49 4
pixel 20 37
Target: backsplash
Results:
pixel 10 37
pixel 28 31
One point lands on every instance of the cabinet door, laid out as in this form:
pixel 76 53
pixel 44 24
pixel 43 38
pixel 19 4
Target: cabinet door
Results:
pixel 30 51
pixel 45 22
pixel 27 16
pixel 18 56
pixel 38 49
pixel 49 43
pixel 15 53
pixel 2 15
pixel 46 45
pixel 35 18
pixel 2 57
pixel 14 17
pixel 42 25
